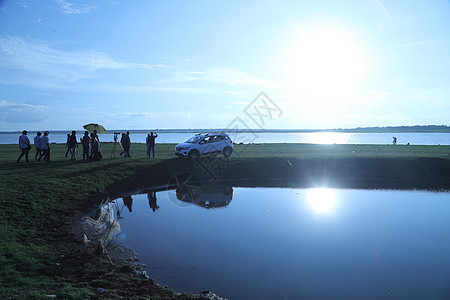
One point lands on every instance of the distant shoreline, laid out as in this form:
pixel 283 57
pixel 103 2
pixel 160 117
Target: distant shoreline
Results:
pixel 387 129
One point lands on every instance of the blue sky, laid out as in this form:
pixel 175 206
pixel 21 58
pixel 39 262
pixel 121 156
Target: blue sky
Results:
pixel 198 64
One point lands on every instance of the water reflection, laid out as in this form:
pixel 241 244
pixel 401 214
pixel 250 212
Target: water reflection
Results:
pixel 381 244
pixel 326 137
pixel 321 200
pixel 152 201
pixel 128 202
pixel 209 196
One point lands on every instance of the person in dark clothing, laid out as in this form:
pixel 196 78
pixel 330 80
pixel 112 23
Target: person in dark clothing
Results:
pixel 67 144
pixel 37 144
pixel 126 143
pixel 151 143
pixel 72 145
pixel 95 146
pixel 85 143
pixel 45 146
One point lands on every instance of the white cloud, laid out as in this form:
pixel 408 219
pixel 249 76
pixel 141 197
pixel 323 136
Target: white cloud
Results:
pixel 227 76
pixel 40 64
pixel 21 112
pixel 72 9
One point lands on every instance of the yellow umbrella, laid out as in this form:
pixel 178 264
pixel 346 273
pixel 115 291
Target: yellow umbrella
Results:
pixel 92 126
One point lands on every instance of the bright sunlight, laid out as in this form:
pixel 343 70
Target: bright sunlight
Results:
pixel 321 200
pixel 323 64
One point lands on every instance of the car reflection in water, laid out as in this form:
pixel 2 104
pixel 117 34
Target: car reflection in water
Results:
pixel 207 196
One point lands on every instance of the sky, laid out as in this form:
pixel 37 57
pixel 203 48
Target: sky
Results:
pixel 208 64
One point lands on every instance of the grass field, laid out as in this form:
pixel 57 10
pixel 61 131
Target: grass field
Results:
pixel 40 201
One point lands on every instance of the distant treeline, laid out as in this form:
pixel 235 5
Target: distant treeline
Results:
pixel 377 129
pixel 416 128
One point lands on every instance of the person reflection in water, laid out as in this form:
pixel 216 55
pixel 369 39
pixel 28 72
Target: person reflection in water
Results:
pixel 152 201
pixel 128 202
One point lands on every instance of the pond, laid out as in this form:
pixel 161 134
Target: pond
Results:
pixel 278 243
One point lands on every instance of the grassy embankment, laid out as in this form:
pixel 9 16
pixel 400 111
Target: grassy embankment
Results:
pixel 39 201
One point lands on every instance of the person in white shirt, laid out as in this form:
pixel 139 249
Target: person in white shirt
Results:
pixel 37 144
pixel 24 145
pixel 45 146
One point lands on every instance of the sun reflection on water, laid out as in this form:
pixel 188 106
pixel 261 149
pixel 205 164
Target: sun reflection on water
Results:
pixel 321 200
pixel 326 138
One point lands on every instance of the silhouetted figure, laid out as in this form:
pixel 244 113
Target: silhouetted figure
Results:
pixel 67 144
pixel 126 143
pixel 152 201
pixel 95 145
pixel 128 202
pixel 151 143
pixel 37 144
pixel 72 144
pixel 394 140
pixel 24 145
pixel 45 147
pixel 85 141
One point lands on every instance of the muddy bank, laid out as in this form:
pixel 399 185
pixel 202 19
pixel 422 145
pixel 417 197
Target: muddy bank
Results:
pixel 359 173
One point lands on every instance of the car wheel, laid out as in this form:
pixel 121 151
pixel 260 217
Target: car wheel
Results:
pixel 193 154
pixel 227 152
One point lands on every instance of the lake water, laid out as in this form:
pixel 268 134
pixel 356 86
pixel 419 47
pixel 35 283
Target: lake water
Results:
pixel 266 137
pixel 276 243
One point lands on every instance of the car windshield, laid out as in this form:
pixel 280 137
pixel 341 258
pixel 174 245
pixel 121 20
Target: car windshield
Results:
pixel 194 139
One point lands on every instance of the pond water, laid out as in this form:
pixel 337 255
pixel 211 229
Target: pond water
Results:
pixel 277 243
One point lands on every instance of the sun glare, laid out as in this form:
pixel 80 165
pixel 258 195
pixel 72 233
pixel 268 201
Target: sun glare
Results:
pixel 323 64
pixel 321 200
pixel 326 137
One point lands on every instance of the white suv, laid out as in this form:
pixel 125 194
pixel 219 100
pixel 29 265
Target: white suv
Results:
pixel 205 145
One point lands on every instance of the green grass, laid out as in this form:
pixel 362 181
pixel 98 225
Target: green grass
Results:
pixel 39 200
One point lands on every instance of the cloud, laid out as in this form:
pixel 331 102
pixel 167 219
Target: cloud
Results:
pixel 227 76
pixel 418 43
pixel 21 112
pixel 40 64
pixel 69 8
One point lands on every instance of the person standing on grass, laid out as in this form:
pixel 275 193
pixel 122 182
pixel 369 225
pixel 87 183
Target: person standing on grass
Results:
pixel 24 145
pixel 37 144
pixel 73 145
pixel 45 147
pixel 128 142
pixel 122 143
pixel 85 142
pixel 95 145
pixel 151 143
pixel 67 144
pixel 125 141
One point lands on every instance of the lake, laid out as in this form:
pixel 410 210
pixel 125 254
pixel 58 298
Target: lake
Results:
pixel 278 243
pixel 264 137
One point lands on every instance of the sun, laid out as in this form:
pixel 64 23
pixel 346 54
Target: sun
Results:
pixel 322 64
pixel 321 200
